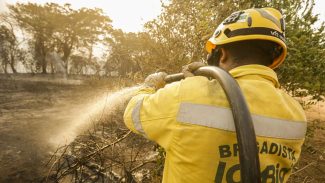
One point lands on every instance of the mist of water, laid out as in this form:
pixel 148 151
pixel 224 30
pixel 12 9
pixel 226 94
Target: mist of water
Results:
pixel 84 117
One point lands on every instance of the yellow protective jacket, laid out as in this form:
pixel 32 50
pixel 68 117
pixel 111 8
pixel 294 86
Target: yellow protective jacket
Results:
pixel 192 121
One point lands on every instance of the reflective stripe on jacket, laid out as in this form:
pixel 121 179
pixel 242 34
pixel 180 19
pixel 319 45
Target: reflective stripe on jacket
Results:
pixel 192 121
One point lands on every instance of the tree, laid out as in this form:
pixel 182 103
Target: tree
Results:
pixel 4 44
pixel 304 68
pixel 34 19
pixel 10 50
pixel 78 64
pixel 303 72
pixel 183 28
pixel 60 29
pixel 80 28
pixel 126 52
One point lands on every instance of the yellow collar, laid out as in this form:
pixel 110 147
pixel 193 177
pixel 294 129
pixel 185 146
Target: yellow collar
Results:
pixel 255 69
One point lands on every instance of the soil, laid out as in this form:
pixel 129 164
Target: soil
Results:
pixel 35 108
pixel 32 110
pixel 311 165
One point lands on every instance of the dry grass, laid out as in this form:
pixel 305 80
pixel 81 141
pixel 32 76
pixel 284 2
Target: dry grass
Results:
pixel 106 153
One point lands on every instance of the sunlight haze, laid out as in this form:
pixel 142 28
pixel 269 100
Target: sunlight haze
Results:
pixel 128 15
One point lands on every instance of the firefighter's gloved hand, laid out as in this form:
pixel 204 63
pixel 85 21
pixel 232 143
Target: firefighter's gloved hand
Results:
pixel 156 80
pixel 188 70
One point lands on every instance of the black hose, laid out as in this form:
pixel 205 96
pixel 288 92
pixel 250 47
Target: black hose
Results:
pixel 174 77
pixel 248 153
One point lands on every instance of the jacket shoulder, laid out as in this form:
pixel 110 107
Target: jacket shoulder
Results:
pixel 201 90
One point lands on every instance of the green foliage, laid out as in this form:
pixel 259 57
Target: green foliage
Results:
pixel 183 28
pixel 176 37
pixel 179 34
pixel 303 72
pixel 126 51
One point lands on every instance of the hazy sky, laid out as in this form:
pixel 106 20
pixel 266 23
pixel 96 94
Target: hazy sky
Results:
pixel 130 15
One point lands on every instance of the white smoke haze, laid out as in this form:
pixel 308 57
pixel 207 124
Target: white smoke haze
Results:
pixel 2 6
pixel 54 59
pixel 57 64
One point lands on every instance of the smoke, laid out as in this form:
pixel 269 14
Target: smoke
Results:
pixel 57 63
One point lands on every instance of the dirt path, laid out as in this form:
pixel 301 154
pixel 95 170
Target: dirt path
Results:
pixel 31 112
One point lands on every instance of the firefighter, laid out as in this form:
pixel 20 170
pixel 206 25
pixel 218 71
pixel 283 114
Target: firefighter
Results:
pixel 192 121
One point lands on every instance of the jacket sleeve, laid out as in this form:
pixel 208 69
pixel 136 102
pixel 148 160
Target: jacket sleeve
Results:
pixel 153 114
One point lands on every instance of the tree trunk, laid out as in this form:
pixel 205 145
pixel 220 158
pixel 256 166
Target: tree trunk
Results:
pixel 140 68
pixel 90 56
pixel 5 68
pixel 40 52
pixel 66 54
pixel 12 63
pixel 13 68
pixel 65 58
pixel 52 68
pixel 44 65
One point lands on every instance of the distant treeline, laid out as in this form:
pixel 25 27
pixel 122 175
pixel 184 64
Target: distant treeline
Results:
pixel 33 35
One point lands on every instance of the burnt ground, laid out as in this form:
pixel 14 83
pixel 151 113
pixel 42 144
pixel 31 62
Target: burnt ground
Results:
pixel 33 108
pixel 311 165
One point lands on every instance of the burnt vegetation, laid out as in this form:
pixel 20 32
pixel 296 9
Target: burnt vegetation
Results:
pixel 31 33
pixel 108 152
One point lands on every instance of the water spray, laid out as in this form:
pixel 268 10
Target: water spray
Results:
pixel 248 154
pixel 92 112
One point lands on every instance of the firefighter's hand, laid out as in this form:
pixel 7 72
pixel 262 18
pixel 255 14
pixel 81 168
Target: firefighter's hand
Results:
pixel 188 70
pixel 156 80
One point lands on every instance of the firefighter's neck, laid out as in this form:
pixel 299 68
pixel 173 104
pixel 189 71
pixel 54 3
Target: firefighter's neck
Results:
pixel 228 62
